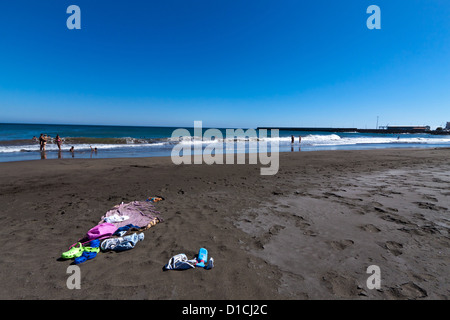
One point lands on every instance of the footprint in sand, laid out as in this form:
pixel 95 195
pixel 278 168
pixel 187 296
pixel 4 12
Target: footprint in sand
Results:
pixel 409 290
pixel 340 285
pixel 429 206
pixel 394 247
pixel 370 228
pixel 331 194
pixel 397 219
pixel 380 209
pixel 430 198
pixel 300 222
pixel 274 230
pixel 342 244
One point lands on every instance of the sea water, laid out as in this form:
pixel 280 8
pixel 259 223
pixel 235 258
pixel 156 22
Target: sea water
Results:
pixel 16 141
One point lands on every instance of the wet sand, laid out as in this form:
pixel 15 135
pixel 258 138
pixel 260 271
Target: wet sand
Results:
pixel 308 232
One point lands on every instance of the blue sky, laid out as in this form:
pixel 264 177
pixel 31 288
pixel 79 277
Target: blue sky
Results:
pixel 233 63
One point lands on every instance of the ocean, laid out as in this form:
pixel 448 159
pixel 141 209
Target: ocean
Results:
pixel 16 141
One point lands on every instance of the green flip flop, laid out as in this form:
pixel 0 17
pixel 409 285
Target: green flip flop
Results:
pixel 91 249
pixel 74 252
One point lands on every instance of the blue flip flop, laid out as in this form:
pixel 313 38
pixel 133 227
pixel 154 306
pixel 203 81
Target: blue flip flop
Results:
pixel 80 259
pixel 95 243
pixel 89 252
pixel 84 257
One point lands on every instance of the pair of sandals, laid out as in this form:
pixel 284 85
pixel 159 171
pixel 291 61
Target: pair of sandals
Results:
pixel 81 254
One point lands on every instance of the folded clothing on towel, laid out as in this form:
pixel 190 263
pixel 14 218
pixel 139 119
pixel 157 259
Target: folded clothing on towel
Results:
pixel 122 231
pixel 116 218
pixel 122 243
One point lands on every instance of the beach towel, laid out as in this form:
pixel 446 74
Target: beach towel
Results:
pixel 140 213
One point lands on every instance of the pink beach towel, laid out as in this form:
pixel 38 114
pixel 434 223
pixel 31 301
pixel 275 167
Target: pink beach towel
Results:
pixel 138 213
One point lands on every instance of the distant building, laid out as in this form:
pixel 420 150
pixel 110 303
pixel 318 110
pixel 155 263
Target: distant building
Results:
pixel 408 128
pixel 447 127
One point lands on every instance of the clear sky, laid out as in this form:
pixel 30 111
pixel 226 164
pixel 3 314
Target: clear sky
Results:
pixel 229 63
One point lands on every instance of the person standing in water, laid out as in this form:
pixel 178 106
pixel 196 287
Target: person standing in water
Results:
pixel 58 141
pixel 42 141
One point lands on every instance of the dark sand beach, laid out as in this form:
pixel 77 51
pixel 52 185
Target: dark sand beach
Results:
pixel 308 232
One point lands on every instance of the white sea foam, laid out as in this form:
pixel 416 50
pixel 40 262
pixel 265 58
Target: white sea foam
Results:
pixel 312 140
pixel 335 140
pixel 77 147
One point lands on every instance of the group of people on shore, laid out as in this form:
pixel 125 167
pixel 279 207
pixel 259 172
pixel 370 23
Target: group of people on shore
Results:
pixel 44 138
